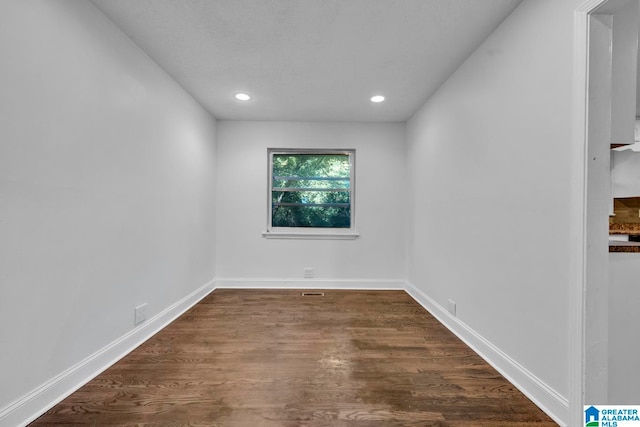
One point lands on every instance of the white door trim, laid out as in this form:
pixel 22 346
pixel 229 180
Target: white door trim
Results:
pixel 579 232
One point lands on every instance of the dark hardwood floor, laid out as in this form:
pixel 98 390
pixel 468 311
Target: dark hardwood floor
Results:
pixel 276 358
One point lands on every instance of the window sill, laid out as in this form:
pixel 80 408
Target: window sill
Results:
pixel 323 235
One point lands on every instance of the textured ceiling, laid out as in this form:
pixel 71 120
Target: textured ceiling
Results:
pixel 318 60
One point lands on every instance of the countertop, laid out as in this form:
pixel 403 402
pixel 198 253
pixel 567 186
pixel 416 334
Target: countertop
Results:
pixel 630 229
pixel 617 246
pixel 624 246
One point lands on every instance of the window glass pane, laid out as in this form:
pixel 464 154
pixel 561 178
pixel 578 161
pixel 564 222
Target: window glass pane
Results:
pixel 311 190
pixel 312 216
pixel 311 165
pixel 310 197
pixel 295 182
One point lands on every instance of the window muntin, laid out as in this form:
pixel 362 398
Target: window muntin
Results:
pixel 311 190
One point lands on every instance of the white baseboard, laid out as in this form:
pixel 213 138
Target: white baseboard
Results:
pixel 239 283
pixel 38 401
pixel 546 398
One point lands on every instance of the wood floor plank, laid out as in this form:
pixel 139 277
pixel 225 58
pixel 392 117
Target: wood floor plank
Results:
pixel 275 358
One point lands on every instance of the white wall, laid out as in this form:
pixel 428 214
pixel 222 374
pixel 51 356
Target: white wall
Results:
pixel 489 157
pixel 624 69
pixel 107 189
pixel 625 173
pixel 242 252
pixel 624 318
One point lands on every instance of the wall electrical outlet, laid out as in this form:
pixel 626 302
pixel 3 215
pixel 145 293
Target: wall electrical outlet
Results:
pixel 452 307
pixel 140 313
pixel 309 273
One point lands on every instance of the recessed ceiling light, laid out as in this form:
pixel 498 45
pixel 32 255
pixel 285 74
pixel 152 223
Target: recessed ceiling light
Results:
pixel 377 98
pixel 242 96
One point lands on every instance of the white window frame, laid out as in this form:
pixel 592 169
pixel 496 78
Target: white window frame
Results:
pixel 311 232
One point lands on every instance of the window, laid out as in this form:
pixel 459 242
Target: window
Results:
pixel 311 193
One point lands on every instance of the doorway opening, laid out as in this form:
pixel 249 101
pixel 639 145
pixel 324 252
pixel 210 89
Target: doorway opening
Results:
pixel 606 76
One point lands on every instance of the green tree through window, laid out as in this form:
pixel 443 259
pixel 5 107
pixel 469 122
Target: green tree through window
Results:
pixel 310 189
